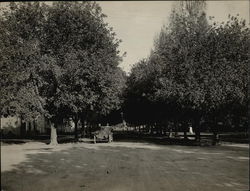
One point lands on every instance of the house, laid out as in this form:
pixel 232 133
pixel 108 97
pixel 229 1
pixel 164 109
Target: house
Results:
pixel 13 126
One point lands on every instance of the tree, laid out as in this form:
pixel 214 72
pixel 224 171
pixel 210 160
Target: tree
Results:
pixel 138 88
pixel 18 60
pixel 177 85
pixel 196 69
pixel 228 56
pixel 69 55
pixel 204 65
pixel 86 51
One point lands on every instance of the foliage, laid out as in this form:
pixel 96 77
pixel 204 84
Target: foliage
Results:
pixel 195 70
pixel 85 49
pixel 58 60
pixel 19 44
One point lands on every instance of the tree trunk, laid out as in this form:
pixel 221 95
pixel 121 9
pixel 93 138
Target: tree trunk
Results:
pixel 185 132
pixel 22 128
pixel 215 140
pixel 158 129
pixel 84 122
pixel 29 127
pixel 164 130
pixel 176 129
pixel 53 135
pixel 151 129
pixel 76 128
pixel 170 132
pixel 197 130
pixel 35 127
pixel 90 129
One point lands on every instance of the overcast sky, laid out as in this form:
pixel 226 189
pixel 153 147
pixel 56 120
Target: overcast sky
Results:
pixel 138 22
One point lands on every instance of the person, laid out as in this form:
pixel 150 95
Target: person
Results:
pixel 191 130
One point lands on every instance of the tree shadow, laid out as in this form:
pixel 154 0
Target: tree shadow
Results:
pixel 35 170
pixel 78 167
pixel 49 169
pixel 159 140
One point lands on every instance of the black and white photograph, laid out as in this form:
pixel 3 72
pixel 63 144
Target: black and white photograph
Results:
pixel 124 95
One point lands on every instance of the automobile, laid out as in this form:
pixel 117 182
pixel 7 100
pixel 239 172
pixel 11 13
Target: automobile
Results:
pixel 105 134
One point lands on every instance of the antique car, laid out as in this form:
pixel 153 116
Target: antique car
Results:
pixel 105 134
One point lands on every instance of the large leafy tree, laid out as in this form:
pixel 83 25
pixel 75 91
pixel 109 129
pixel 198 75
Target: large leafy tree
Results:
pixel 86 51
pixel 178 49
pixel 226 52
pixel 199 69
pixel 74 64
pixel 136 103
pixel 170 78
pixel 204 66
pixel 140 105
pixel 19 34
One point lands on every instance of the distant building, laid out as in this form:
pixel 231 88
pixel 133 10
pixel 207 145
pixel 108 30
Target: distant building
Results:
pixel 12 125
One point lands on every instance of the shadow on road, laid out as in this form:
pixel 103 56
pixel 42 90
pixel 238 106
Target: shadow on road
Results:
pixel 159 140
pixel 113 166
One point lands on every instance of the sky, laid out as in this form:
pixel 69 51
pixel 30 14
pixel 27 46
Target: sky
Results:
pixel 137 23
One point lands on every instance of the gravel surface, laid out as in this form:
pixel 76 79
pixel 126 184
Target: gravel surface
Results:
pixel 124 166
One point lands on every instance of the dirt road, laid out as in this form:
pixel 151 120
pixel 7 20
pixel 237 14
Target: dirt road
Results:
pixel 123 167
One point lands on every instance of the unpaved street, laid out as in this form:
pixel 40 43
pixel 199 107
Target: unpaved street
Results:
pixel 122 166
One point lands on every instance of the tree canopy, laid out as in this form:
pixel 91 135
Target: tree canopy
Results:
pixel 58 60
pixel 197 68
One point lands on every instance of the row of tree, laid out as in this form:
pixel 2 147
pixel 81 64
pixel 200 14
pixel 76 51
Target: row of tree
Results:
pixel 196 71
pixel 60 61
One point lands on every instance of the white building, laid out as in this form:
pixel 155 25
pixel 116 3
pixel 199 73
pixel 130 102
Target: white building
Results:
pixel 13 125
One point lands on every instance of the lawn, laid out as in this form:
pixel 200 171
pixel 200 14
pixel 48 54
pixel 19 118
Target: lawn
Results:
pixel 123 166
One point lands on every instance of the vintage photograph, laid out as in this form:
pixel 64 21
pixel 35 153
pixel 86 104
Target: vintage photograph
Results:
pixel 124 95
